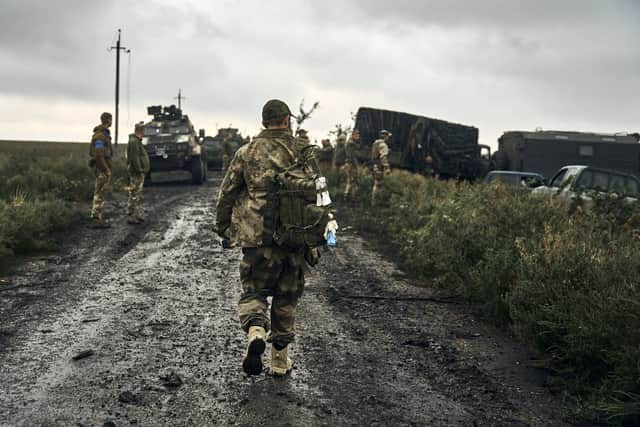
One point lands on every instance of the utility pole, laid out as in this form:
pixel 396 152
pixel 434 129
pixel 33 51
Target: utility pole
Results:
pixel 118 48
pixel 180 98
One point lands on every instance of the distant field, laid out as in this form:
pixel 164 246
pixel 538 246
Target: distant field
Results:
pixel 45 187
pixel 48 147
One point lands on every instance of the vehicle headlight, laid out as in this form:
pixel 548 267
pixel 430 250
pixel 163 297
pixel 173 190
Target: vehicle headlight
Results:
pixel 182 138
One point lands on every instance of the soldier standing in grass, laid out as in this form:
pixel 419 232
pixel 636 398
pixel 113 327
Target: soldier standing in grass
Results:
pixel 138 167
pixel 350 168
pixel 245 213
pixel 101 152
pixel 380 163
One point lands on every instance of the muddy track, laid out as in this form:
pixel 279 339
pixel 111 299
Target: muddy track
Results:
pixel 149 305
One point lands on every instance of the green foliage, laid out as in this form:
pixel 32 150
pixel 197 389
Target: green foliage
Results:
pixel 44 188
pixel 564 277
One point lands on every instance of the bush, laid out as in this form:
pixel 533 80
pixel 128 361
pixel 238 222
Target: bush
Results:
pixel 39 194
pixel 564 278
pixel 26 225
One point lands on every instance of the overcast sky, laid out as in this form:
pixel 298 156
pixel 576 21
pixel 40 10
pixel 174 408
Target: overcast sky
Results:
pixel 495 64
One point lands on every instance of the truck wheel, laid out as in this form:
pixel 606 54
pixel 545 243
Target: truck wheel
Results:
pixel 197 170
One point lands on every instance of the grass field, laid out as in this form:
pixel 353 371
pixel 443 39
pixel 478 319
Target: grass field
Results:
pixel 565 279
pixel 44 187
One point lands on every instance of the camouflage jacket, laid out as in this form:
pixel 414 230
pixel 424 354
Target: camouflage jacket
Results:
pixel 339 154
pixel 101 144
pixel 137 157
pixel 245 210
pixel 380 153
pixel 350 152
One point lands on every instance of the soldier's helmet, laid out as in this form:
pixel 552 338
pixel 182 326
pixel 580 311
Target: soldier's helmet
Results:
pixel 384 133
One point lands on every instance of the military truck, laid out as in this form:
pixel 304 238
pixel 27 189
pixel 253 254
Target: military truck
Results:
pixel 425 145
pixel 545 152
pixel 213 145
pixel 175 150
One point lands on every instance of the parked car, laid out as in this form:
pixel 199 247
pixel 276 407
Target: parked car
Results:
pixel 526 180
pixel 585 181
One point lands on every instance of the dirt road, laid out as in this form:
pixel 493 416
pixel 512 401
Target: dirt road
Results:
pixel 152 309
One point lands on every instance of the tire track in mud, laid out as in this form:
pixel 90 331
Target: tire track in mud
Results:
pixel 166 303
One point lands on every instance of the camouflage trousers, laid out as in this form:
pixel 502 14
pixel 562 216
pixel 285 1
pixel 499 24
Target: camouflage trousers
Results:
pixel 136 182
pixel 226 159
pixel 378 176
pixel 102 188
pixel 348 175
pixel 271 272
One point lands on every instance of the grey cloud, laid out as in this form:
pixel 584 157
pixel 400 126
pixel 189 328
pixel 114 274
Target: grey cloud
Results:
pixel 479 62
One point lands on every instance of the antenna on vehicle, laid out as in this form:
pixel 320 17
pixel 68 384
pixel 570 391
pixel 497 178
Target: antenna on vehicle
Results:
pixel 180 98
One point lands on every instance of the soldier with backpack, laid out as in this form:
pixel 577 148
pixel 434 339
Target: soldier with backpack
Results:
pixel 269 204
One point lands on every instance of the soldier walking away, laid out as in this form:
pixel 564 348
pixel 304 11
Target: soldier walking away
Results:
pixel 350 168
pixel 138 167
pixel 302 138
pixel 245 213
pixel 380 163
pixel 101 152
pixel 227 151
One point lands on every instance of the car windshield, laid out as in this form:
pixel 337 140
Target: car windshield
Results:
pixel 564 177
pixel 179 130
pixel 174 127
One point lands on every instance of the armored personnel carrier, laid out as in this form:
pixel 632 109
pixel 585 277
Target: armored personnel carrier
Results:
pixel 213 145
pixel 174 148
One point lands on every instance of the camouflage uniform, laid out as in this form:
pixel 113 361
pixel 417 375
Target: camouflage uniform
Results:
pixel 380 163
pixel 350 167
pixel 227 152
pixel 339 159
pixel 138 167
pixel 100 148
pixel 245 213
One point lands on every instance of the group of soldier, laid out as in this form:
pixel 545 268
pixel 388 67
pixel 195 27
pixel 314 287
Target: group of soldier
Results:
pixel 245 216
pixel 101 155
pixel 345 162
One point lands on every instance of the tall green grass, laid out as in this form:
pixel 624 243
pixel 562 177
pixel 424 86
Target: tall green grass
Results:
pixel 44 188
pixel 564 278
